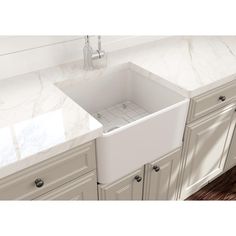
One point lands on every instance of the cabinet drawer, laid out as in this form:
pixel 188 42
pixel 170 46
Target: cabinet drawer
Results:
pixel 211 101
pixel 82 188
pixel 53 172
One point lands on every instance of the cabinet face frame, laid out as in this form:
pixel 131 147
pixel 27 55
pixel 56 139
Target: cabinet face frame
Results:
pixel 189 156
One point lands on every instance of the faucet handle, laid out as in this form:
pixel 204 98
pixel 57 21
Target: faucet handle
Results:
pixel 86 39
pixel 101 53
pixel 99 43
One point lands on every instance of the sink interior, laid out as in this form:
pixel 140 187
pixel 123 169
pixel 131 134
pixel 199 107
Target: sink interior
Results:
pixel 119 115
pixel 120 95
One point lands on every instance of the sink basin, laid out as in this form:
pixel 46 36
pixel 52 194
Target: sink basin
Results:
pixel 142 119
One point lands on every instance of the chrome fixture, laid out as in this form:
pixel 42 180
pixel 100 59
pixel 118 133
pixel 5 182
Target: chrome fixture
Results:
pixel 90 54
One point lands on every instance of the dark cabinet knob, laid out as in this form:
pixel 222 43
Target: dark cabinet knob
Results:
pixel 156 168
pixel 39 183
pixel 138 178
pixel 222 98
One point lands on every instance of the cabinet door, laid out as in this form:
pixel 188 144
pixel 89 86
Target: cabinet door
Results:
pixel 231 159
pixel 83 188
pixel 161 177
pixel 128 188
pixel 205 149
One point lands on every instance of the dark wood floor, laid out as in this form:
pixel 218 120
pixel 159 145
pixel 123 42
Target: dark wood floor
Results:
pixel 222 188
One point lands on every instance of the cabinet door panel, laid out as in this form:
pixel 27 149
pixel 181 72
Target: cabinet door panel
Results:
pixel 127 188
pixel 83 188
pixel 205 149
pixel 162 184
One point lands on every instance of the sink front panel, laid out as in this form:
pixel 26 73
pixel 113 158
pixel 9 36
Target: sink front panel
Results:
pixel 124 150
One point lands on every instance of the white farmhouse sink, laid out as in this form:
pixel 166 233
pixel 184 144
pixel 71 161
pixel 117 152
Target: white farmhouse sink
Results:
pixel 142 119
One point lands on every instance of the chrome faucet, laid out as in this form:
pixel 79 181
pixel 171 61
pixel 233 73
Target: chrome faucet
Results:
pixel 90 54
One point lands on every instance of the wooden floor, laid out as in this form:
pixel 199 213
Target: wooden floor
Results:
pixel 222 188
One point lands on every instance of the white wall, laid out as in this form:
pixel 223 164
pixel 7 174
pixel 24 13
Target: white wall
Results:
pixel 12 44
pixel 23 54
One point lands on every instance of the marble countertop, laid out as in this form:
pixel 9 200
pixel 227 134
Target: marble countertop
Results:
pixel 190 65
pixel 38 121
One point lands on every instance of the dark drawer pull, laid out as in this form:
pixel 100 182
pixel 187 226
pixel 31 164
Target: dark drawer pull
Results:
pixel 222 98
pixel 39 183
pixel 138 178
pixel 156 168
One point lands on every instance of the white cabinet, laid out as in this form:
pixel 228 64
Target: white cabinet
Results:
pixel 154 181
pixel 50 174
pixel 205 149
pixel 83 188
pixel 161 177
pixel 129 187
